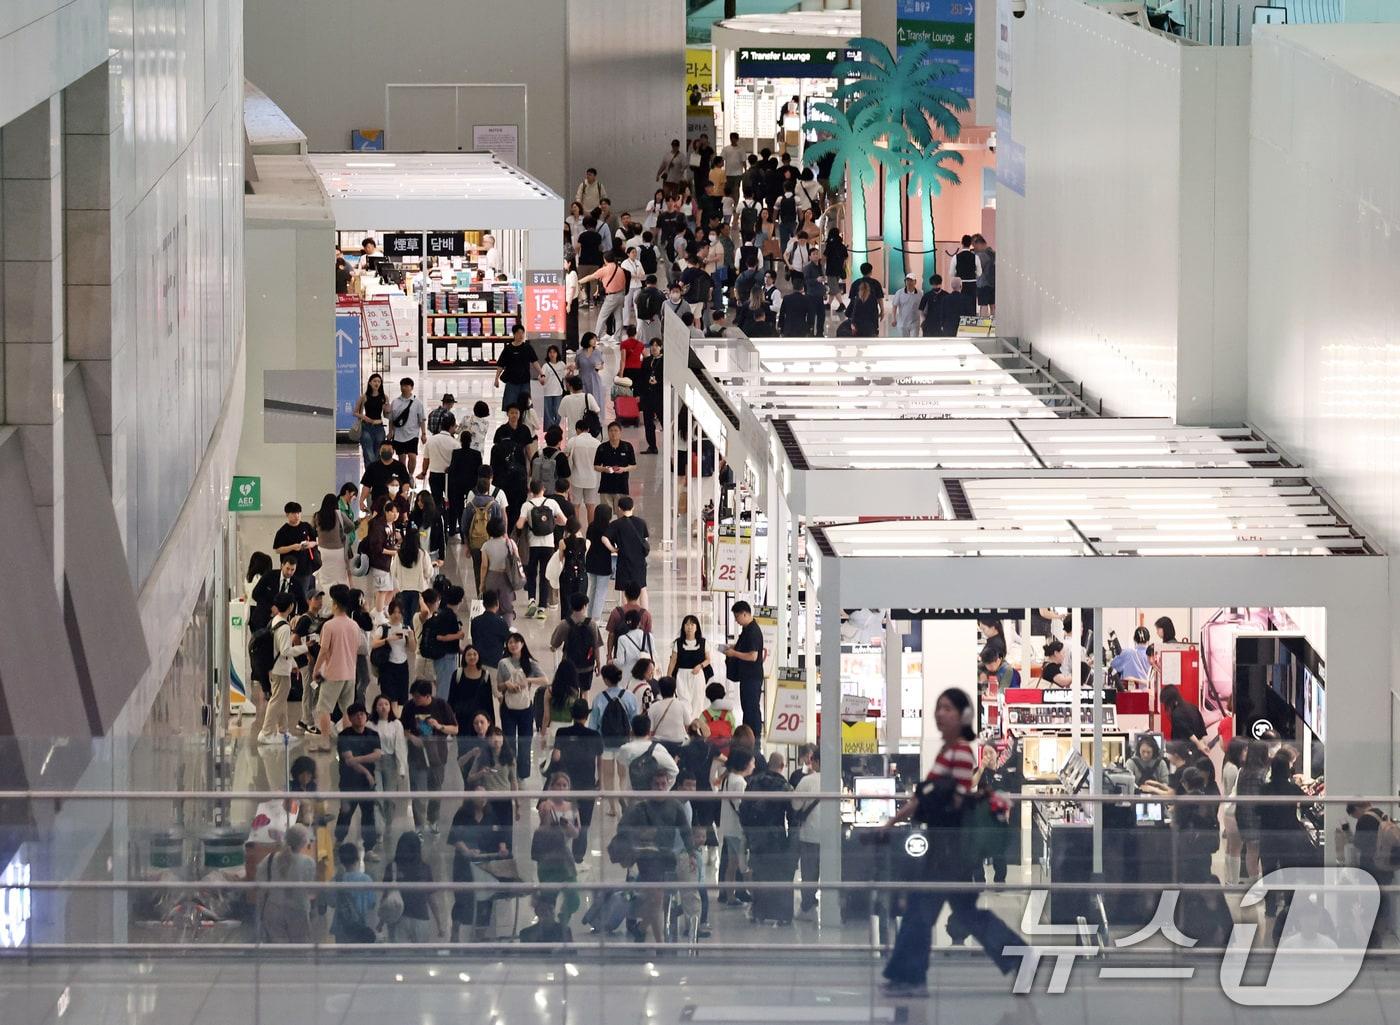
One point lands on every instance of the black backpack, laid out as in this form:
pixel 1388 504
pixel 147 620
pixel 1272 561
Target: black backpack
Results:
pixel 579 647
pixel 613 723
pixel 428 645
pixel 642 772
pixel 649 302
pixel 507 459
pixel 379 657
pixel 765 822
pixel 574 552
pixel 647 255
pixel 748 221
pixel 541 519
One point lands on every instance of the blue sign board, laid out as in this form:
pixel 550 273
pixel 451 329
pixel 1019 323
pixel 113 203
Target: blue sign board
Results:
pixel 347 367
pixel 947 27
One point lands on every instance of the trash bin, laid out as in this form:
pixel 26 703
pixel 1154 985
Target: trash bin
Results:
pixel 223 848
pixel 168 849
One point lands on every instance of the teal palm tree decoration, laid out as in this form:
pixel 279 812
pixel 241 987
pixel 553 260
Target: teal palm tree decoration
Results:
pixel 851 142
pixel 900 102
pixel 927 176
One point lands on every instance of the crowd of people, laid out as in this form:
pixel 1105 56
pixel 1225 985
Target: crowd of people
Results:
pixel 748 241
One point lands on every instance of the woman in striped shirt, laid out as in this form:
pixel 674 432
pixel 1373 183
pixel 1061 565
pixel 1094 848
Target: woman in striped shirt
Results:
pixel 939 804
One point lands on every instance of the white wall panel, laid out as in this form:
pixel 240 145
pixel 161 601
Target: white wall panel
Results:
pixel 1324 254
pixel 326 63
pixel 626 93
pixel 1088 258
pixel 1124 262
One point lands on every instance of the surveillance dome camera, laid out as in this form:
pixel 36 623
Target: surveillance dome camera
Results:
pixel 1018 8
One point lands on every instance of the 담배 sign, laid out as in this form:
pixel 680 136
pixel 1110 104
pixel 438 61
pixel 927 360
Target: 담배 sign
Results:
pixel 245 495
pixel 379 324
pixel 544 314
pixel 788 724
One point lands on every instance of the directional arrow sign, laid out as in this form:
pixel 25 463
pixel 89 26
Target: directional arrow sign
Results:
pixel 342 340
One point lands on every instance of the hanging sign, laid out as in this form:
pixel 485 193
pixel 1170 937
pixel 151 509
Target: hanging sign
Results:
pixel 379 324
pixel 788 724
pixel 544 313
pixel 731 572
pixel 245 495
pixel 347 365
pixel 399 245
pixel 445 243
pixel 859 738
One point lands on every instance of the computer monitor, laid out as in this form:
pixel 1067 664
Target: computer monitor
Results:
pixel 1149 811
pixel 875 799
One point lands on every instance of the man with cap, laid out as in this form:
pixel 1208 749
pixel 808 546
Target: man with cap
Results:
pixel 435 417
pixel 905 304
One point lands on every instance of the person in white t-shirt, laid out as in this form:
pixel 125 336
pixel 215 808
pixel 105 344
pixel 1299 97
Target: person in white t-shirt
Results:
pixel 669 715
pixel 810 817
pixel 635 748
pixel 538 511
pixel 437 457
pixel 583 475
pixel 575 403
pixel 731 831
pixel 633 266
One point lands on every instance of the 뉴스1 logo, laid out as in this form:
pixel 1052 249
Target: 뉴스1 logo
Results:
pixel 1318 955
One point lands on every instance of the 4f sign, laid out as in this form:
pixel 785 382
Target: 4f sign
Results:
pixel 245 495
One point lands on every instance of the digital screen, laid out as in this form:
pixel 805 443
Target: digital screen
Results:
pixel 1149 812
pixel 16 907
pixel 875 799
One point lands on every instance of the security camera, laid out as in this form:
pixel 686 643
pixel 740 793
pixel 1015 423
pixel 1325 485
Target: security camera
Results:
pixel 1018 8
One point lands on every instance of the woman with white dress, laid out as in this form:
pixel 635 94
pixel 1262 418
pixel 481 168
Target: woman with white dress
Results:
pixel 690 657
pixel 392 767
pixel 332 529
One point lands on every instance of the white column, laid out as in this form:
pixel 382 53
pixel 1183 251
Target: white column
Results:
pixel 668 463
pixel 894 685
pixel 1095 769
pixel 830 740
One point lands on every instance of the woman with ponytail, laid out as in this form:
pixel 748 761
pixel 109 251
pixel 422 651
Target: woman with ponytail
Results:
pixel 940 803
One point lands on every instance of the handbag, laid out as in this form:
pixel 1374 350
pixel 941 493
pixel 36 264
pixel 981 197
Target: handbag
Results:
pixel 515 573
pixel 554 568
pixel 353 432
pixel 391 906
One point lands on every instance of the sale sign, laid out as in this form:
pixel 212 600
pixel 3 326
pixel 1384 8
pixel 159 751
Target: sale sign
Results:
pixel 544 313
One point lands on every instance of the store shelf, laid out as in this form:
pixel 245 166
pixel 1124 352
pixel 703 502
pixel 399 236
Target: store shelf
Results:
pixel 468 338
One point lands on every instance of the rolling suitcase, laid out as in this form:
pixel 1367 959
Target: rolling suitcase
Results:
pixel 628 410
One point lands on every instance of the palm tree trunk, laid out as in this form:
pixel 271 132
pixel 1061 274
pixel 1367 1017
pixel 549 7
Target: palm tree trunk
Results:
pixel 860 233
pixel 893 230
pixel 930 246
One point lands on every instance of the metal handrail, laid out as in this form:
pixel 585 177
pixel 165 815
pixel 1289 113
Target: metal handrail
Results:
pixel 654 795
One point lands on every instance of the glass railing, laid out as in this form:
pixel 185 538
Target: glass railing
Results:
pixel 487 873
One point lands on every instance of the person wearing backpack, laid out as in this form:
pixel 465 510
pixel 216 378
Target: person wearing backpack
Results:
pixel 485 504
pixel 719 721
pixel 441 639
pixel 538 518
pixel 611 716
pixel 770 852
pixel 578 641
pixel 573 570
pixel 642 757
pixel 550 466
pixel 650 300
pixel 632 644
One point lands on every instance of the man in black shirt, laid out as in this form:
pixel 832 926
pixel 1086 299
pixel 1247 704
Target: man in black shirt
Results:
pixel 428 722
pixel 378 474
pixel 796 314
pixel 489 631
pixel 297 538
pixel 358 748
pixel 650 390
pixel 933 310
pixel 589 246
pixel 517 434
pixel 516 366
pixel 743 663
pixel 628 534
pixel 579 752
pixel 614 458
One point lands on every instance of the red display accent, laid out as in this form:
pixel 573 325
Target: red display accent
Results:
pixel 1023 696
pixel 1133 702
pixel 543 313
